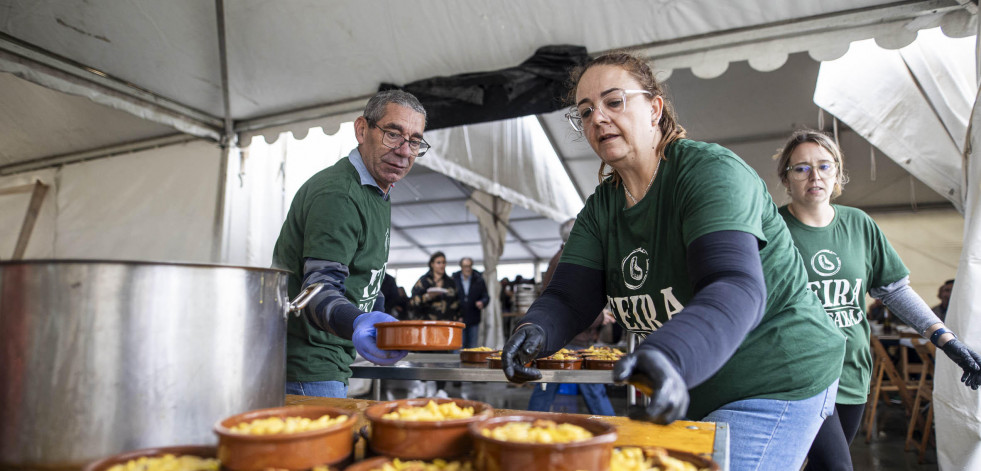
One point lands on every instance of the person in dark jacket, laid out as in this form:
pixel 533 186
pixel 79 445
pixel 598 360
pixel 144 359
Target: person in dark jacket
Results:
pixel 472 292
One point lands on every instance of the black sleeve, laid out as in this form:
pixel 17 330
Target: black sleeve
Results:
pixel 730 297
pixel 568 306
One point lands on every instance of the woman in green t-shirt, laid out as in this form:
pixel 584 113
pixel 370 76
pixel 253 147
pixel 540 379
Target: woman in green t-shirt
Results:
pixel 683 241
pixel 846 255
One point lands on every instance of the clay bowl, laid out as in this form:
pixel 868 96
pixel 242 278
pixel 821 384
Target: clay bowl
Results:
pixel 422 440
pixel 470 356
pixel 303 450
pixel 499 455
pixel 550 364
pixel 420 335
pixel 495 363
pixel 597 364
pixel 371 464
pixel 122 458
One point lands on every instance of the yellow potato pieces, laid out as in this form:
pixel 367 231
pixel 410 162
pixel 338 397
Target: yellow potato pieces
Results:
pixel 435 465
pixel 562 356
pixel 479 349
pixel 604 356
pixel 168 463
pixel 278 425
pixel 431 412
pixel 634 459
pixel 539 431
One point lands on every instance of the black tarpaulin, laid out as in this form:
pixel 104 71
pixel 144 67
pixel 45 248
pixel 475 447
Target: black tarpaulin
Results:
pixel 537 86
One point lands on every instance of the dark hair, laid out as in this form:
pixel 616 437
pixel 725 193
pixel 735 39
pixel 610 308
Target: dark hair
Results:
pixel 375 109
pixel 671 130
pixel 949 282
pixel 817 137
pixel 466 258
pixel 433 257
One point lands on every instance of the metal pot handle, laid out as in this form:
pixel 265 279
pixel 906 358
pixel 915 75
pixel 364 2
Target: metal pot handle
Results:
pixel 303 298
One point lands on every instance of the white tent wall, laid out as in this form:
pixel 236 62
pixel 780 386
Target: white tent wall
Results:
pixel 875 91
pixel 958 409
pixel 930 244
pixel 512 159
pixel 123 208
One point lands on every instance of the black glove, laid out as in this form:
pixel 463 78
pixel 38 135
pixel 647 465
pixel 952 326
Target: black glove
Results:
pixel 652 373
pixel 967 359
pixel 523 346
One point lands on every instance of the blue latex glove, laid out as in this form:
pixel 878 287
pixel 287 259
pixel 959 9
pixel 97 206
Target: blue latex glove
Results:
pixel 365 339
pixel 652 373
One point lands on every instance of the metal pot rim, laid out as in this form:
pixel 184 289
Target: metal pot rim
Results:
pixel 8 263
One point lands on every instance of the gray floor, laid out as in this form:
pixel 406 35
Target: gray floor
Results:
pixel 885 452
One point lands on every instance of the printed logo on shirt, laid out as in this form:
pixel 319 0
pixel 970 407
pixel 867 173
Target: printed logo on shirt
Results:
pixel 825 263
pixel 842 300
pixel 388 238
pixel 634 268
pixel 639 314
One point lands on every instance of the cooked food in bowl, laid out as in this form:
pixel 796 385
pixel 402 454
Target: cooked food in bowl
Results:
pixel 410 438
pixel 168 463
pixel 275 425
pixel 431 412
pixel 569 450
pixel 538 431
pixel 478 349
pixel 610 356
pixel 560 355
pixel 389 464
pixel 649 459
pixel 594 350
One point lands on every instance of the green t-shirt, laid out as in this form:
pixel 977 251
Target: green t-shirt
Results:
pixel 333 217
pixel 844 260
pixel 703 188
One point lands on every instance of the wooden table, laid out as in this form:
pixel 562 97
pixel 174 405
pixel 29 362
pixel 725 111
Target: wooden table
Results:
pixel 706 439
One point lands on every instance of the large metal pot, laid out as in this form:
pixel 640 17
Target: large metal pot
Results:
pixel 100 357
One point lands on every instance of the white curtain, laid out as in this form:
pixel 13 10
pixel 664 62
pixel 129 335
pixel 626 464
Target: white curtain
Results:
pixel 912 103
pixel 492 214
pixel 512 159
pixel 957 408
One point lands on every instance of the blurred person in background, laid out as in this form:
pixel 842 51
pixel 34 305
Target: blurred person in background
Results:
pixel 943 293
pixel 434 295
pixel 472 292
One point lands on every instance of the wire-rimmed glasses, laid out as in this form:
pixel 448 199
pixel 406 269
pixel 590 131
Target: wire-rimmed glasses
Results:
pixel 394 140
pixel 825 169
pixel 611 103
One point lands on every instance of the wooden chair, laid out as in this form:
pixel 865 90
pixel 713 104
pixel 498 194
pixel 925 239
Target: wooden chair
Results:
pixel 883 368
pixel 924 394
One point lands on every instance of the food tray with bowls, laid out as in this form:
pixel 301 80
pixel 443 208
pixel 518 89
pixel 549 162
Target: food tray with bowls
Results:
pixel 442 432
pixel 328 445
pixel 419 336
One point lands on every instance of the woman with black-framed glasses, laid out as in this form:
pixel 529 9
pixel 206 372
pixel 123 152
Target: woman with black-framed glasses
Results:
pixel 847 256
pixel 685 243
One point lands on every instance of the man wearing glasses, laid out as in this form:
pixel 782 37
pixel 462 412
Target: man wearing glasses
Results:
pixel 337 233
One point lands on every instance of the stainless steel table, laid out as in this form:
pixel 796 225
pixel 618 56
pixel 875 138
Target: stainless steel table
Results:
pixel 447 367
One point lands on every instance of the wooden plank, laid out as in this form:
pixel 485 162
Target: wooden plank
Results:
pixel 37 198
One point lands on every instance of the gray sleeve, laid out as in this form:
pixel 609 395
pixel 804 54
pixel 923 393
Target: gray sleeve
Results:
pixel 906 304
pixel 329 310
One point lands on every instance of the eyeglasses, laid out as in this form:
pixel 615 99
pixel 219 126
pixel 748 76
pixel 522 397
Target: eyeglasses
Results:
pixel 394 140
pixel 613 103
pixel 800 172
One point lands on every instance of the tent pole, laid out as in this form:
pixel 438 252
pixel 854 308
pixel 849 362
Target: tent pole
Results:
pixel 227 137
pixel 33 208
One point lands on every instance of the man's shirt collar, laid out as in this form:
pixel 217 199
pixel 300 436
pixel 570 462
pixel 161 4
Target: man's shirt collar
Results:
pixel 366 178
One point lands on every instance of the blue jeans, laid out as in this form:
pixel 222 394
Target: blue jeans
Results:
pixel 470 336
pixel 594 395
pixel 770 434
pixel 317 388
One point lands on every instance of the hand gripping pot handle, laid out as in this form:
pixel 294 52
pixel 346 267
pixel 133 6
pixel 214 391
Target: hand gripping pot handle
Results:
pixel 302 299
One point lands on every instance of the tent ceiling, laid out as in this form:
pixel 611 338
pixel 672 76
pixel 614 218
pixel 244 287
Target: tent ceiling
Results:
pixel 336 53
